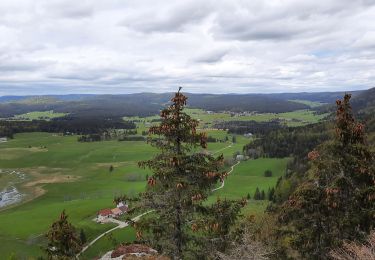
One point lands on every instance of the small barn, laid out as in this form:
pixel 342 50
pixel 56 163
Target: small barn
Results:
pixel 240 157
pixel 123 209
pixel 116 212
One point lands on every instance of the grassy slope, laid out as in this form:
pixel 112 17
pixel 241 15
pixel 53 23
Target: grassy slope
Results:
pixel 247 176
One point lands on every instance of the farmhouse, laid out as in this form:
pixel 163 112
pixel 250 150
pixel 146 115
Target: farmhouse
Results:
pixel 104 214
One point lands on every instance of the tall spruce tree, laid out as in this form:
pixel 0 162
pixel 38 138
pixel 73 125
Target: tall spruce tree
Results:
pixel 181 226
pixel 257 194
pixel 337 202
pixel 63 240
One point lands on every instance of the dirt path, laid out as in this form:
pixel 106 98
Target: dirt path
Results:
pixel 223 183
pixel 218 151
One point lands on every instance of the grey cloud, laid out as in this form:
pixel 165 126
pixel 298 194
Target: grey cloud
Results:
pixel 169 19
pixel 66 9
pixel 211 56
pixel 21 65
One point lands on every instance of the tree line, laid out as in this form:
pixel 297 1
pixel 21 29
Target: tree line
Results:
pixel 70 125
pixel 244 127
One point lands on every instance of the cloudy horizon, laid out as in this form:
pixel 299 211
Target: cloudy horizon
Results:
pixel 114 46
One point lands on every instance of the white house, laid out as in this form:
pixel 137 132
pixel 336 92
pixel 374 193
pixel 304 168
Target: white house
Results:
pixel 240 157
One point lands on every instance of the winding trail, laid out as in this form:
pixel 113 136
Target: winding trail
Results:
pixel 223 183
pixel 122 224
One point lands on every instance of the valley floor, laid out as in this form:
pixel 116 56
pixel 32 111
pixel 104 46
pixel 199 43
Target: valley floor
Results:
pixel 61 173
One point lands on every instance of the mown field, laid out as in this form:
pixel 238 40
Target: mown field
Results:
pixel 38 115
pixel 65 174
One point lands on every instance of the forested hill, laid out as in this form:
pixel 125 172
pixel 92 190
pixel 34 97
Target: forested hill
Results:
pixel 144 104
pixel 323 97
pixel 365 101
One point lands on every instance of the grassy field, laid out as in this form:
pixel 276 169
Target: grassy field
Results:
pixel 38 115
pixel 62 173
pixel 247 176
pixel 90 185
pixel 303 117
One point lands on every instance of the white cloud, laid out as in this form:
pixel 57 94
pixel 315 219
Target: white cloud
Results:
pixel 118 46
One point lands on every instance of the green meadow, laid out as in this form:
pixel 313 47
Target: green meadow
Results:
pixel 298 117
pixel 38 115
pixel 62 173
pixel 45 158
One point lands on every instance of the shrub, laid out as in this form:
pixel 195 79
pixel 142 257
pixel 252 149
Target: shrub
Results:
pixel 267 173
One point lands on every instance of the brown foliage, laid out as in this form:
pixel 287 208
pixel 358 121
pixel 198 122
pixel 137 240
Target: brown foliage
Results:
pixel 356 251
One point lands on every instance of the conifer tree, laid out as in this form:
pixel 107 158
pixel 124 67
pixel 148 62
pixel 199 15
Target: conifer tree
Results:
pixel 262 195
pixel 181 226
pixel 82 237
pixel 271 193
pixel 257 194
pixel 63 240
pixel 337 202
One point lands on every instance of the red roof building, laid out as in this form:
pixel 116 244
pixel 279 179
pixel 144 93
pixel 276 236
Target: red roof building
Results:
pixel 105 212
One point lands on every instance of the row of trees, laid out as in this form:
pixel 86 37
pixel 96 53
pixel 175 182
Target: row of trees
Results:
pixel 262 195
pixel 109 134
pixel 81 126
pixel 244 127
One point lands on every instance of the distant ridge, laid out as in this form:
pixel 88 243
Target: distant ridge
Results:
pixel 144 104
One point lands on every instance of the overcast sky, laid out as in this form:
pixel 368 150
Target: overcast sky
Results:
pixel 119 46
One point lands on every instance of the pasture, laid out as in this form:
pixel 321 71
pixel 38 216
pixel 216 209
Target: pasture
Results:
pixel 38 115
pixel 62 173
pixel 85 184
